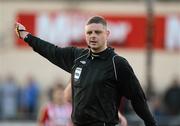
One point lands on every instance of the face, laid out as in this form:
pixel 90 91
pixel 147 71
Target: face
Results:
pixel 57 95
pixel 96 37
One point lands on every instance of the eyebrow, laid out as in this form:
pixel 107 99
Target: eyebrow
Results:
pixel 96 31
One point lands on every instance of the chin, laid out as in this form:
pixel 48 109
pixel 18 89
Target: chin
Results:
pixel 94 48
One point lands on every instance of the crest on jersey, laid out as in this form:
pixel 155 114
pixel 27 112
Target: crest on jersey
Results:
pixel 77 73
pixel 83 62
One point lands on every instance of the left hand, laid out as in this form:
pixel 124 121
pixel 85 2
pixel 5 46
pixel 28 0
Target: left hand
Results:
pixel 20 30
pixel 122 119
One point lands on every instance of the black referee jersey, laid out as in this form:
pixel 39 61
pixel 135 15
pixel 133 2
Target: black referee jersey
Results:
pixel 98 83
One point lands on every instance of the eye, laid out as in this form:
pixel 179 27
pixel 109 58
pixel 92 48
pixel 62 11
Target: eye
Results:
pixel 89 32
pixel 98 32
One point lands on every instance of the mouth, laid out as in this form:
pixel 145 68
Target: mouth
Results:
pixel 93 42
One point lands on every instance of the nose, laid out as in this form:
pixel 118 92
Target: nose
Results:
pixel 93 38
pixel 93 35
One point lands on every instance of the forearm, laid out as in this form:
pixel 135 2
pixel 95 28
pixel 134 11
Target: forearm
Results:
pixel 61 57
pixel 141 108
pixel 42 47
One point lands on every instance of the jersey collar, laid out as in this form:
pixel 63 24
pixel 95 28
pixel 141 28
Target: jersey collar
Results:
pixel 101 55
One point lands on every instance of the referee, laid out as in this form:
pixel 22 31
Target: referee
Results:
pixel 99 78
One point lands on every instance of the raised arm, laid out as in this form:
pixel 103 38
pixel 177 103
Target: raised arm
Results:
pixel 62 57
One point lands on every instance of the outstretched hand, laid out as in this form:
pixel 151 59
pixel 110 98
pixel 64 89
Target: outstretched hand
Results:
pixel 20 30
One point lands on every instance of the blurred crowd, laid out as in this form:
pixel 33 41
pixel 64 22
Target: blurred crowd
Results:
pixel 23 102
pixel 18 102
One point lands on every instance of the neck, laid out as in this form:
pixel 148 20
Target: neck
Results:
pixel 98 50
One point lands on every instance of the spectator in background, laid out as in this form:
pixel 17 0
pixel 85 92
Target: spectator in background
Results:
pixel 172 97
pixel 57 112
pixel 157 106
pixel 29 98
pixel 9 98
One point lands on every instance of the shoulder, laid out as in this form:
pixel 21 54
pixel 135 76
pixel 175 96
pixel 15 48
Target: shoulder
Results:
pixel 74 51
pixel 122 64
pixel 80 52
pixel 119 59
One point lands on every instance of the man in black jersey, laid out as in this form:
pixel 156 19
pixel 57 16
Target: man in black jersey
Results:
pixel 99 79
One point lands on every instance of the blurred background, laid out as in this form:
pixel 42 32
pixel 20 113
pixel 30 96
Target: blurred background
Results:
pixel 145 32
